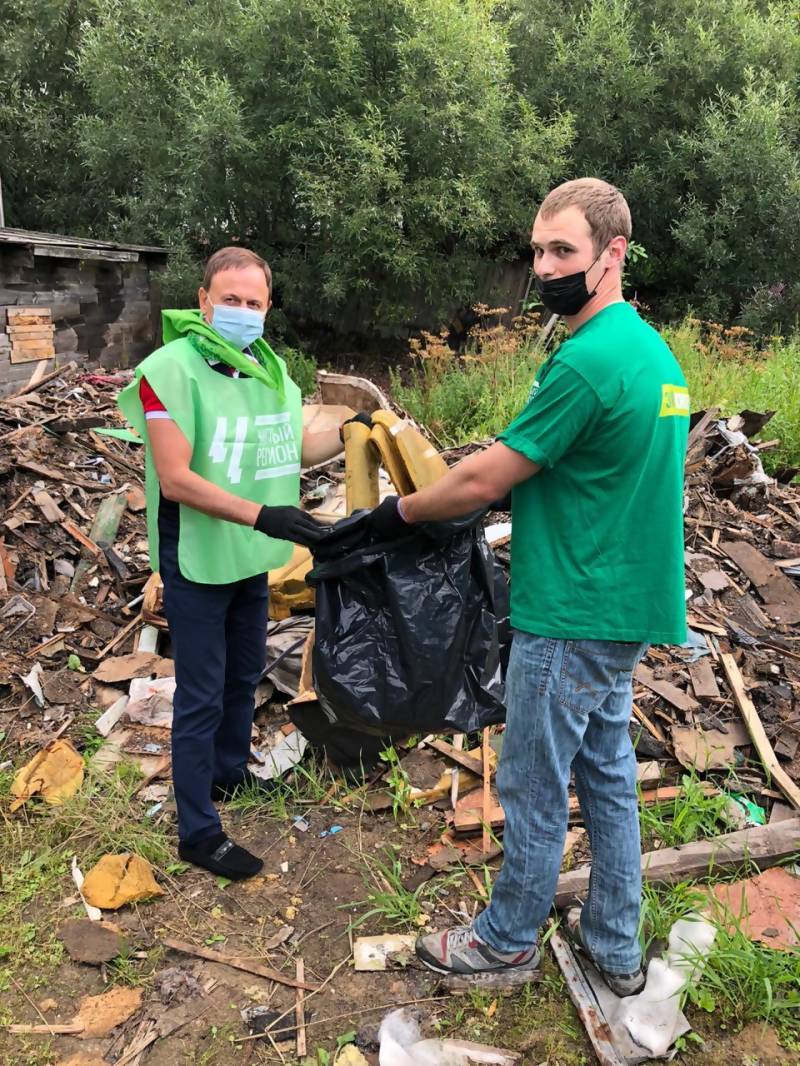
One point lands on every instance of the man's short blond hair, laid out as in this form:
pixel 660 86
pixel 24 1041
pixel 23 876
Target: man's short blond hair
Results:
pixel 605 208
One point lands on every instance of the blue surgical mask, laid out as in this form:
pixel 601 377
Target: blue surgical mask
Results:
pixel 240 326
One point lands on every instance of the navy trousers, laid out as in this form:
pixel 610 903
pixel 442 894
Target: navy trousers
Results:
pixel 219 644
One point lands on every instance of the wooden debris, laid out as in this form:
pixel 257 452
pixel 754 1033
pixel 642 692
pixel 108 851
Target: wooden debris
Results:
pixel 487 783
pixel 756 730
pixel 703 681
pixel 236 962
pixel 299 1009
pixel 781 596
pixel 671 693
pixel 765 845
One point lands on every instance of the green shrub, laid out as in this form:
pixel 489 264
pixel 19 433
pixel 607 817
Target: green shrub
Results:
pixel 302 369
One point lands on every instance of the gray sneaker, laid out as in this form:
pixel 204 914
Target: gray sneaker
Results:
pixel 621 984
pixel 461 951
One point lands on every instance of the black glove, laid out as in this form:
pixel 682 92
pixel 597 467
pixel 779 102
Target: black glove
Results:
pixel 386 522
pixel 290 523
pixel 361 417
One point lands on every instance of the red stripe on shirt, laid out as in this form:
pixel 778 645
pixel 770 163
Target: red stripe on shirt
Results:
pixel 150 402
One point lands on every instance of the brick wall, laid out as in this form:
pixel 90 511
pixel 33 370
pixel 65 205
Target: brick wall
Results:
pixel 105 313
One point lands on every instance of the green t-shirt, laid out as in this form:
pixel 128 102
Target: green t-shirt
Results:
pixel 597 533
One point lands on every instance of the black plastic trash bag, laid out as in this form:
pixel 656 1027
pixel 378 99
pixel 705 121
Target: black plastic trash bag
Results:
pixel 347 749
pixel 411 636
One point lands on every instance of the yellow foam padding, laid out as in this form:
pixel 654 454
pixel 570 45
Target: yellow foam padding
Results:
pixel 382 440
pixel 55 773
pixel 385 418
pixel 288 590
pixel 422 462
pixel 361 464
pixel 296 569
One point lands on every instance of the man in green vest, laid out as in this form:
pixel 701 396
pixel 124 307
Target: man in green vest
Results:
pixel 595 461
pixel 224 443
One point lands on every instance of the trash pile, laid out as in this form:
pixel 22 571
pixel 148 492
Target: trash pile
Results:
pixel 81 627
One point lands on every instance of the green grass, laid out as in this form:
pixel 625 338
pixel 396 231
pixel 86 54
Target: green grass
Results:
pixel 308 785
pixel 742 981
pixel 692 815
pixel 474 396
pixel 387 896
pixel 37 846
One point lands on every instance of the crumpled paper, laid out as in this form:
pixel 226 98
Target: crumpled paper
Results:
pixel 119 879
pixel 55 773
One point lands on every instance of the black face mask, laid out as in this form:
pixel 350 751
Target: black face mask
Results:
pixel 567 295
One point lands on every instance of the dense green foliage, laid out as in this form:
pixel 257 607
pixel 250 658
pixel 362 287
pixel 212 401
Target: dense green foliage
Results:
pixel 386 157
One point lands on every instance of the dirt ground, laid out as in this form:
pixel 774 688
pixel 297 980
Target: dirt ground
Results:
pixel 313 887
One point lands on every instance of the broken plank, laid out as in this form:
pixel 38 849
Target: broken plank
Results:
pixel 56 475
pixel 651 727
pixel 48 506
pixel 580 991
pixel 299 1009
pixel 81 538
pixel 763 845
pixel 62 371
pixel 236 962
pixel 780 594
pixel 703 681
pixel 671 693
pixel 756 730
pixel 77 425
pixel 469 762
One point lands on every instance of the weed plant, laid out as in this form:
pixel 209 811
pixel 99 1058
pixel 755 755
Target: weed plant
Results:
pixel 692 815
pixel 474 395
pixel 741 981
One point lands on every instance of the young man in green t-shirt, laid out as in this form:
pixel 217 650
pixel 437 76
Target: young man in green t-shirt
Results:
pixel 595 461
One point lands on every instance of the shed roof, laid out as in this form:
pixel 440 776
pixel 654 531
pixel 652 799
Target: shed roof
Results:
pixel 61 247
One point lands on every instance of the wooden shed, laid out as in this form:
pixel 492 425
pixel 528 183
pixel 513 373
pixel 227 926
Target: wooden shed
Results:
pixel 71 298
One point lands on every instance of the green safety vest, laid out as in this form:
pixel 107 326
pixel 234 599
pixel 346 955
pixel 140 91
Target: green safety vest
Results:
pixel 246 437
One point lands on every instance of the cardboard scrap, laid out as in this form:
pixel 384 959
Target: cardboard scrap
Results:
pixel 119 879
pixel 91 942
pixel 708 749
pixel 137 664
pixel 55 773
pixel 98 1015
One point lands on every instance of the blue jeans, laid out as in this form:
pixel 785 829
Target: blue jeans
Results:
pixel 568 706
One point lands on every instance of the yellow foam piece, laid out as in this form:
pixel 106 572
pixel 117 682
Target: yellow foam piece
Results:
pixel 360 468
pixel 381 439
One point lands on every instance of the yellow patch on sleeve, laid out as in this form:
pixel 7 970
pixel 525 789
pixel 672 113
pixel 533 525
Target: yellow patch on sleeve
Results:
pixel 674 401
